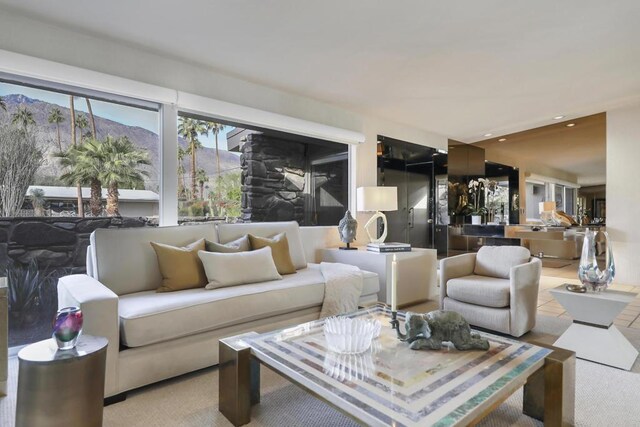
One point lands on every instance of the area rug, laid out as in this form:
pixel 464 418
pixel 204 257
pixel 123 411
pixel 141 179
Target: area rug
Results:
pixel 604 396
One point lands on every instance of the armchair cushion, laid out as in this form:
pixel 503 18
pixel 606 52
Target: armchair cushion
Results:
pixel 480 290
pixel 496 261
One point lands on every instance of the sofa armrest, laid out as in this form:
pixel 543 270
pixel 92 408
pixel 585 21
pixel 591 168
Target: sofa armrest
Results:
pixel 99 307
pixel 524 284
pixel 452 267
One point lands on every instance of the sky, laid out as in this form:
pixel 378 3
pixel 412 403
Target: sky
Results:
pixel 130 116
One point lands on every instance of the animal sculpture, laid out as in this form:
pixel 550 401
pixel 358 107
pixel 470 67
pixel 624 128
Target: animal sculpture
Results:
pixel 430 330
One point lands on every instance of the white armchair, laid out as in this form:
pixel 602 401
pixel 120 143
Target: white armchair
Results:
pixel 495 289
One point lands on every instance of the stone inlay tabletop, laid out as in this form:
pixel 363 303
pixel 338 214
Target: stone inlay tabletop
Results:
pixel 393 385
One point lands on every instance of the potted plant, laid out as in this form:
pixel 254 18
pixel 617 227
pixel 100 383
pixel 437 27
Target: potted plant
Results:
pixel 476 214
pixel 476 189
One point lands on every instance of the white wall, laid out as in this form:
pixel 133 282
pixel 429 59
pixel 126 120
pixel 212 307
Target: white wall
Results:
pixel 26 36
pixel 623 196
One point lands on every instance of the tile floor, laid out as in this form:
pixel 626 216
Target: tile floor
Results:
pixel 552 277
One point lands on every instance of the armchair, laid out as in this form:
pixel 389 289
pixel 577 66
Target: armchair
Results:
pixel 496 288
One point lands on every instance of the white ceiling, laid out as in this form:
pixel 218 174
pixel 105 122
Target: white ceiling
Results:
pixel 458 68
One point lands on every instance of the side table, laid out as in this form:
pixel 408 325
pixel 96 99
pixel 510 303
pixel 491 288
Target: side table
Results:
pixel 593 336
pixel 417 271
pixel 61 388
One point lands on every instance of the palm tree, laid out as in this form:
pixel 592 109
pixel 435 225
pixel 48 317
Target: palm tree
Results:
pixel 84 165
pixel 121 168
pixel 181 153
pixel 189 129
pixel 72 114
pixel 37 201
pixel 81 123
pixel 23 117
pixel 202 178
pixel 92 118
pixel 216 128
pixel 55 116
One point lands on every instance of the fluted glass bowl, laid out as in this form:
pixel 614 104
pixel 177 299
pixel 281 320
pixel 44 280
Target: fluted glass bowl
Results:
pixel 350 336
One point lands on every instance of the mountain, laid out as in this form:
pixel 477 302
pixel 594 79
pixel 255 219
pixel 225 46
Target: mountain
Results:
pixel 144 139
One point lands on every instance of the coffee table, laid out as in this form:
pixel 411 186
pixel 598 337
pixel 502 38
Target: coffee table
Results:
pixel 394 385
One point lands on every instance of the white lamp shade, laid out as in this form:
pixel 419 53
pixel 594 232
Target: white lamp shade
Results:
pixel 371 199
pixel 546 207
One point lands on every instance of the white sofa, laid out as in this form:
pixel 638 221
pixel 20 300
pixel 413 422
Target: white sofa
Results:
pixel 154 336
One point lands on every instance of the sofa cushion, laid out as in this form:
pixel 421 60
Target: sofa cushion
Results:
pixel 480 290
pixel 127 262
pixel 150 317
pixel 229 232
pixel 239 245
pixel 496 261
pixel 180 266
pixel 240 268
pixel 279 251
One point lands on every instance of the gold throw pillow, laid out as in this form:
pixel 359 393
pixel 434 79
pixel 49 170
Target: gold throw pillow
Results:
pixel 279 251
pixel 180 268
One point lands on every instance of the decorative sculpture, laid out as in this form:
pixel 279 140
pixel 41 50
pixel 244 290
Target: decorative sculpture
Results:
pixel 430 330
pixel 347 228
pixel 589 272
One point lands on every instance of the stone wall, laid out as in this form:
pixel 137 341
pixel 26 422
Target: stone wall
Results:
pixel 55 243
pixel 273 179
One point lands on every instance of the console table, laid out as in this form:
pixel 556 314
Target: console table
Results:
pixel 593 336
pixel 417 271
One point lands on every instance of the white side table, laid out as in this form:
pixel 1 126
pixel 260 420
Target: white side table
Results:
pixel 593 336
pixel 417 271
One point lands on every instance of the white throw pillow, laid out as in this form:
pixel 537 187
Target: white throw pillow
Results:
pixel 239 268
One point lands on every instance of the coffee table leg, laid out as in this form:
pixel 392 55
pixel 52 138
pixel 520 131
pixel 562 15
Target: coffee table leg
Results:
pixel 239 382
pixel 549 394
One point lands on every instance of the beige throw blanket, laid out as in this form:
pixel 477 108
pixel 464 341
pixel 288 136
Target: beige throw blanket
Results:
pixel 342 290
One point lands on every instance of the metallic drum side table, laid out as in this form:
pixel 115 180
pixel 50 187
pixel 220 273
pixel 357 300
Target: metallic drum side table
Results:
pixel 61 387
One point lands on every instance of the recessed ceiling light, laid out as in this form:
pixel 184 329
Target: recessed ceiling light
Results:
pixel 502 139
pixel 488 134
pixel 558 117
pixel 570 125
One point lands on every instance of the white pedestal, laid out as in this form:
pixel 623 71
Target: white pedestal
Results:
pixel 593 336
pixel 417 271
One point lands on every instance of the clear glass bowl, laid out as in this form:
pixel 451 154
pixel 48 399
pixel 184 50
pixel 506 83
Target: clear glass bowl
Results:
pixel 349 367
pixel 350 336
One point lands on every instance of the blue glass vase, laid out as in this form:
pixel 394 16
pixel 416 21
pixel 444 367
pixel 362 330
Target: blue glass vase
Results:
pixel 589 273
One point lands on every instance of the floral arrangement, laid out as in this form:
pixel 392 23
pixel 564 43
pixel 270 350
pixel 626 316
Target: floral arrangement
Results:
pixel 476 188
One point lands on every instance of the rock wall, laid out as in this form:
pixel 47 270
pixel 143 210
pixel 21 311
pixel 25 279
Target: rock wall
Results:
pixel 273 179
pixel 55 243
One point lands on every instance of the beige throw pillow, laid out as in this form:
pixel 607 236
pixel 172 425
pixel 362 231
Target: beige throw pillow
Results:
pixel 180 267
pixel 240 268
pixel 279 250
pixel 238 245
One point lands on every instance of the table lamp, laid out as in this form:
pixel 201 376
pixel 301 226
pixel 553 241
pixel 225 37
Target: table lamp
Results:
pixel 546 207
pixel 377 199
pixel 547 212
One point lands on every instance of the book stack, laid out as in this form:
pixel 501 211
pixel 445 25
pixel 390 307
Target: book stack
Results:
pixel 389 247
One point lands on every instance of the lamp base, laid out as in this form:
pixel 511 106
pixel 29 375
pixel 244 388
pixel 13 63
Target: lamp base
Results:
pixel 347 248
pixel 374 220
